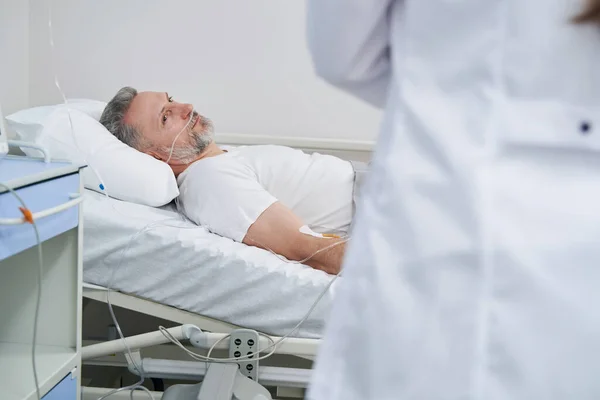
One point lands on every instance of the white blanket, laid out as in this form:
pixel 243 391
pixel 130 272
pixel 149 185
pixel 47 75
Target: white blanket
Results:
pixel 177 263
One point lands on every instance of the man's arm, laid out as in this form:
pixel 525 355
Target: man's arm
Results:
pixel 349 44
pixel 278 229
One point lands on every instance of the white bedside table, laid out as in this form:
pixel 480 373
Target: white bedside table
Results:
pixel 42 186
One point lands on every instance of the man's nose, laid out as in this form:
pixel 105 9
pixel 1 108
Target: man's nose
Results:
pixel 186 110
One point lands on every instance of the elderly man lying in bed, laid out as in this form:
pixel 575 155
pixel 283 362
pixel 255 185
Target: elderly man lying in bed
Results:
pixel 262 196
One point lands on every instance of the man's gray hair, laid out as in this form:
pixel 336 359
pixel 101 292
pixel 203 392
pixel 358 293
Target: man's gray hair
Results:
pixel 113 118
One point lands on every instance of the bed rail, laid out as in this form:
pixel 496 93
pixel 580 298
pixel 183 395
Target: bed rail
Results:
pixel 297 142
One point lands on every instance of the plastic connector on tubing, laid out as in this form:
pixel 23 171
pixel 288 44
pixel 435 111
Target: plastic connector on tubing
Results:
pixel 29 217
pixel 27 214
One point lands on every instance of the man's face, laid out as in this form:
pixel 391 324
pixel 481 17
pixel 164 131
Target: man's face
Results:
pixel 161 121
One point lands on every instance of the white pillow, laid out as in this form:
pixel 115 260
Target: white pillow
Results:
pixel 127 174
pixel 29 123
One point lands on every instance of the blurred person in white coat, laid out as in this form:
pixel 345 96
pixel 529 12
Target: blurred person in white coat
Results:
pixel 474 267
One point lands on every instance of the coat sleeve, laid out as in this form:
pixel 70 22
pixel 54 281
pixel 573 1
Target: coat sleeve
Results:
pixel 349 43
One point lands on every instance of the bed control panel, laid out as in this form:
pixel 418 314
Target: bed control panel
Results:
pixel 244 343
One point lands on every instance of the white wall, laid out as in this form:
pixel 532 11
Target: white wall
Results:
pixel 14 56
pixel 242 63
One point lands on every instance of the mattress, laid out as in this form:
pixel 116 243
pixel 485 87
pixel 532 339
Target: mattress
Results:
pixel 156 254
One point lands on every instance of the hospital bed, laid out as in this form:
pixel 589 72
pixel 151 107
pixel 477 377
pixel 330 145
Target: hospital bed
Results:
pixel 157 263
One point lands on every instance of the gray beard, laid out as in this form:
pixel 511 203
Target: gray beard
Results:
pixel 199 142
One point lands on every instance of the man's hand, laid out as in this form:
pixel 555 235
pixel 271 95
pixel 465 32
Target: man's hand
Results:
pixel 278 229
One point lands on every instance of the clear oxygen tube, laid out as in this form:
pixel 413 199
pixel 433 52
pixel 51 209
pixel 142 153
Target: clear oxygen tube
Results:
pixel 194 116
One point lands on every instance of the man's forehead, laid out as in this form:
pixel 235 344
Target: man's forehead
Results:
pixel 144 106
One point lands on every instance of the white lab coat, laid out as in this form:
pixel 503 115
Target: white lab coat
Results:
pixel 474 267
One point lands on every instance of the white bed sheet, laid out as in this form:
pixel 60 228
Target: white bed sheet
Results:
pixel 174 262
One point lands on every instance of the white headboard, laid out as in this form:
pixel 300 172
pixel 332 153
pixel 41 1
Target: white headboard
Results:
pixel 359 150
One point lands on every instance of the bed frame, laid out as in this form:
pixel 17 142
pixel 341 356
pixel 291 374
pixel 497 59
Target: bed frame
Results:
pixel 305 348
pixel 289 382
pixel 316 144
pixel 355 150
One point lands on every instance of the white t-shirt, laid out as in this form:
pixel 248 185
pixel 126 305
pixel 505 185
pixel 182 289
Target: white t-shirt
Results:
pixel 228 192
